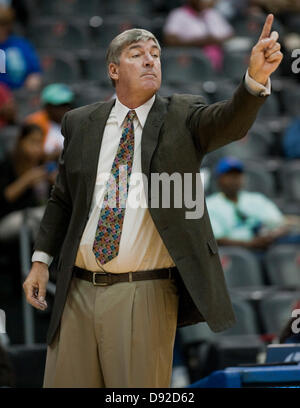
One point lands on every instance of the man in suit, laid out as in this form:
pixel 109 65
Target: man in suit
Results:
pixel 127 277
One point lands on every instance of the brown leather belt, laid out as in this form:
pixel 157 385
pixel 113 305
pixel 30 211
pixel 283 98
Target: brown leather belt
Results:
pixel 106 278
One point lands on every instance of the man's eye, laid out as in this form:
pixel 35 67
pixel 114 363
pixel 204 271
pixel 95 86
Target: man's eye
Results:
pixel 155 55
pixel 135 55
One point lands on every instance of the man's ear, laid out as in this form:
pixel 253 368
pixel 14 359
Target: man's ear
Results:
pixel 113 70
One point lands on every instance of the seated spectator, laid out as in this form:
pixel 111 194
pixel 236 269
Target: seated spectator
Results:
pixel 22 63
pixel 242 218
pixel 57 100
pixel 8 108
pixel 24 182
pixel 291 140
pixel 199 24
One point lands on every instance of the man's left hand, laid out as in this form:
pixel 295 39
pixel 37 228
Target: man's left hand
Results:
pixel 266 55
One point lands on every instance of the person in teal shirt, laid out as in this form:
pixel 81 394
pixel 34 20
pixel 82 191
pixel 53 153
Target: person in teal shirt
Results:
pixel 239 217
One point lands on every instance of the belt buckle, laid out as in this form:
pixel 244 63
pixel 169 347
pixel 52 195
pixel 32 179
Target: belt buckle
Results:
pixel 99 284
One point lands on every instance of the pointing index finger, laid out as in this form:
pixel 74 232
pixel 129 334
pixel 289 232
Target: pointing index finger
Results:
pixel 267 27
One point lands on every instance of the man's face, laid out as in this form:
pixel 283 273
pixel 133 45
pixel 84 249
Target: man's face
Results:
pixel 231 182
pixel 56 112
pixel 32 145
pixel 5 29
pixel 8 111
pixel 139 70
pixel 6 22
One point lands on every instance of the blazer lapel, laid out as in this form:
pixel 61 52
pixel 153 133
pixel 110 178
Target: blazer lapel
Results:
pixel 93 130
pixel 151 133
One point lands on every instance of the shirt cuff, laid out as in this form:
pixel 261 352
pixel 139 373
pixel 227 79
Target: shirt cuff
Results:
pixel 255 88
pixel 41 257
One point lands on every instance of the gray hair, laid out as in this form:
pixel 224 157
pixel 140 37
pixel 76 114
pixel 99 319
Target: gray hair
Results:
pixel 124 39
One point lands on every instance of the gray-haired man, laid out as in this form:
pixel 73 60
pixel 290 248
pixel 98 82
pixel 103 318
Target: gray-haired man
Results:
pixel 127 277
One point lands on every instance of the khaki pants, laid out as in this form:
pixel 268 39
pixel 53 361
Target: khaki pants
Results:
pixel 115 336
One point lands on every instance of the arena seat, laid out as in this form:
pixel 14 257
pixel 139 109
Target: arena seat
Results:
pixel 28 363
pixel 235 64
pixel 222 90
pixel 251 26
pixel 270 108
pixel 8 137
pixel 167 90
pixel 94 67
pixel 140 7
pixel 206 351
pixel 290 207
pixel 157 26
pixel 291 97
pixel 181 65
pixel 66 7
pixel 246 319
pixel 246 324
pixel 60 67
pixel 86 94
pixel 276 310
pixel 113 25
pixel 293 23
pixel 257 143
pixel 28 102
pixel 290 180
pixel 196 332
pixel 241 268
pixel 259 179
pixel 283 265
pixel 56 33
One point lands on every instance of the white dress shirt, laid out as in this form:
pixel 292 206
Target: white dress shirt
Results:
pixel 141 247
pixel 54 140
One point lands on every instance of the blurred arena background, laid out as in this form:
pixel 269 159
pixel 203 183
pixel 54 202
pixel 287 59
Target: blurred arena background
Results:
pixel 65 43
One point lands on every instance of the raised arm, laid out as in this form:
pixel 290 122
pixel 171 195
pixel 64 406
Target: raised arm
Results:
pixel 218 124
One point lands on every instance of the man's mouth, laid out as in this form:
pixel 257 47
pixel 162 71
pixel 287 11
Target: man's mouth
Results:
pixel 149 74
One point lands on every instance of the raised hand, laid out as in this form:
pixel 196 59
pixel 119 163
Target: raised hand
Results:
pixel 266 55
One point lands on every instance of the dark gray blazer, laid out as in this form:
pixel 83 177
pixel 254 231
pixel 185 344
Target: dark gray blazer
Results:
pixel 178 132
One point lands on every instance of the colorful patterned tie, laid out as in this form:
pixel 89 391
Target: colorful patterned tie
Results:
pixel 109 228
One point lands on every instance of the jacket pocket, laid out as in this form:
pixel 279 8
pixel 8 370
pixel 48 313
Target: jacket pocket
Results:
pixel 212 245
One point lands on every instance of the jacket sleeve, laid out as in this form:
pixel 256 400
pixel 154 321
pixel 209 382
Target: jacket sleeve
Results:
pixel 218 124
pixel 58 212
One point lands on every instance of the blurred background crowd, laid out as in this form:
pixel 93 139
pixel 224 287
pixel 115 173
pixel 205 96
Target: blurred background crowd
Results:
pixel 55 61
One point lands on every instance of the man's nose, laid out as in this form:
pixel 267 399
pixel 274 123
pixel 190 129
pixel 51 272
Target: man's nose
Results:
pixel 148 60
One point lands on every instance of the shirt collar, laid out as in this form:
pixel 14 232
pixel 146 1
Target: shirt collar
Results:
pixel 141 112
